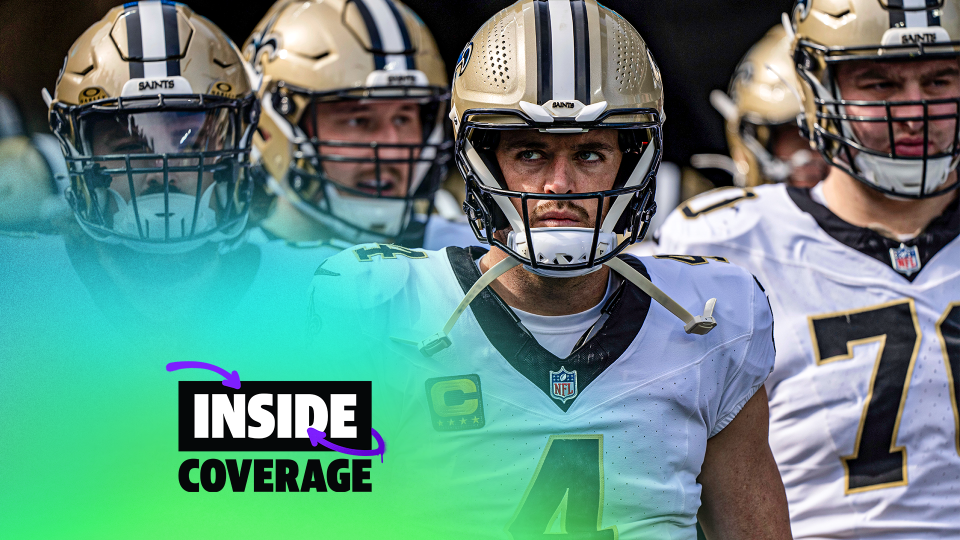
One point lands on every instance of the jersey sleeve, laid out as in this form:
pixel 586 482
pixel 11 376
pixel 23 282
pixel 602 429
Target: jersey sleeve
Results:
pixel 756 363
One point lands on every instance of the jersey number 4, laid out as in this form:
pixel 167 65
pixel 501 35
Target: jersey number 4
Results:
pixel 565 495
pixel 877 462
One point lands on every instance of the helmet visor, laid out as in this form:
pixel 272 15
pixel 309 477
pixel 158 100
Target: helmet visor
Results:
pixel 160 175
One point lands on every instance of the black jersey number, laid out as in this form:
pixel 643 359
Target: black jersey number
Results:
pixel 877 462
pixel 565 495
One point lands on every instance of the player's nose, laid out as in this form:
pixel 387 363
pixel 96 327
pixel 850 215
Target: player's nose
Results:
pixel 559 177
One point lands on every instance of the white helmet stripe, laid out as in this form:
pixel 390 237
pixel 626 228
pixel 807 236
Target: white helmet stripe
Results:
pixel 917 17
pixel 154 40
pixel 392 31
pixel 561 37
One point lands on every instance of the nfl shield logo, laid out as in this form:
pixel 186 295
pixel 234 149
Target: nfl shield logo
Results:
pixel 905 260
pixel 563 384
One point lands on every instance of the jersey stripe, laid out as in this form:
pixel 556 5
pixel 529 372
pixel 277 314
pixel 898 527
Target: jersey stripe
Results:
pixel 544 52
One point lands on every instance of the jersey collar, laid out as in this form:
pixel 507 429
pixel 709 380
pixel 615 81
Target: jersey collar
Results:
pixel 507 334
pixel 941 231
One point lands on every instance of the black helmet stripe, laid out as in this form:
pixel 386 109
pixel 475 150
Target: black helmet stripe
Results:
pixel 171 36
pixel 581 46
pixel 134 42
pixel 562 35
pixel 153 39
pixel 933 15
pixel 389 37
pixel 544 52
pixel 404 35
pixel 913 13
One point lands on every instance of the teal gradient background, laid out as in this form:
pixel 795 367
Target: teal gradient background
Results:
pixel 89 442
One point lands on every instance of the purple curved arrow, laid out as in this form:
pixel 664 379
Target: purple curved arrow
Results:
pixel 319 437
pixel 231 379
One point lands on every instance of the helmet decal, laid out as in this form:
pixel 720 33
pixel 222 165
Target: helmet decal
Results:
pixel 562 34
pixel 389 37
pixel 153 39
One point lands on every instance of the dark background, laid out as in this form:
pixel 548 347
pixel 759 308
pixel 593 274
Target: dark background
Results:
pixel 697 44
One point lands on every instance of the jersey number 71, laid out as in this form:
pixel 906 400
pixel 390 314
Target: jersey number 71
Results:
pixel 877 462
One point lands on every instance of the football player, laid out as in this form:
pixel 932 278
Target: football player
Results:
pixel 862 271
pixel 352 140
pixel 760 112
pixel 548 384
pixel 154 111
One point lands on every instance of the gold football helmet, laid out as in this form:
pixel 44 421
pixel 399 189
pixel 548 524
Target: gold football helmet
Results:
pixel 318 59
pixel 558 67
pixel 154 111
pixel 761 105
pixel 830 33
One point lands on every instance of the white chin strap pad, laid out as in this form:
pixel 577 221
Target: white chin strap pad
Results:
pixel 154 215
pixel 904 176
pixel 386 217
pixel 561 246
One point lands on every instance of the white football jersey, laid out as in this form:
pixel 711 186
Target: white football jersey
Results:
pixel 507 439
pixel 863 400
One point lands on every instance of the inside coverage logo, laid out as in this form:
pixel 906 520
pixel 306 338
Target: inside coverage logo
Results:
pixel 276 416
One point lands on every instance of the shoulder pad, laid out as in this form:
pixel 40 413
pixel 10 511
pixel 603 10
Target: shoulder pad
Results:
pixel 718 214
pixel 364 276
pixel 692 280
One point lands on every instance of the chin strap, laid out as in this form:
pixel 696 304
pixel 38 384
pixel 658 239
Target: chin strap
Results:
pixel 699 325
pixel 441 340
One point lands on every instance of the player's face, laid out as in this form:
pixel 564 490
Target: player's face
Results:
pixel 903 81
pixel 790 147
pixel 383 122
pixel 158 133
pixel 551 163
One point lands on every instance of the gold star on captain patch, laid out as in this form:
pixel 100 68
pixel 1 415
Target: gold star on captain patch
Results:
pixel 476 420
pixel 440 423
pixel 451 423
pixel 463 421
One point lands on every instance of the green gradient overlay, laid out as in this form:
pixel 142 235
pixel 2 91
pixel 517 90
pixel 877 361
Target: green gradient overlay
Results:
pixel 89 440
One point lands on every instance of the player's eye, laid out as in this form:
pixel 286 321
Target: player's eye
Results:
pixel 589 157
pixel 529 155
pixel 877 85
pixel 403 120
pixel 130 146
pixel 357 122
